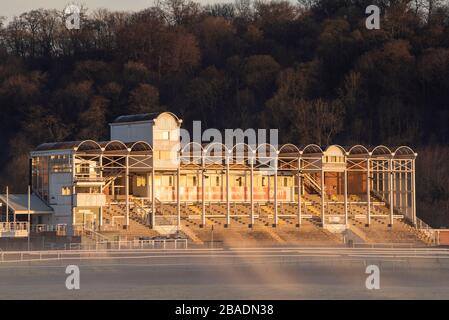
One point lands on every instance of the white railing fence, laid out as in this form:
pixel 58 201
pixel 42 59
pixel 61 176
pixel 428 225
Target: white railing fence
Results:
pixel 13 226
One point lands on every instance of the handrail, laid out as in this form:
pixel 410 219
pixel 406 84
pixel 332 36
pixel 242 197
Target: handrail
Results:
pixel 314 184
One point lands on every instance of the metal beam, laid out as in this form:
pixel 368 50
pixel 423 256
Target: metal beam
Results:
pixel 153 198
pixel 322 197
pixel 178 198
pixel 203 194
pixel 391 194
pixel 275 196
pixel 345 174
pixel 228 204
pixel 127 190
pixel 368 193
pixel 299 193
pixel 251 182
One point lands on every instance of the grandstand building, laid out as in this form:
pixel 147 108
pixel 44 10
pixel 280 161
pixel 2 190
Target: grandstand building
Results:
pixel 140 178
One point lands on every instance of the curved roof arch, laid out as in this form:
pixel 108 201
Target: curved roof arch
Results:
pixel 266 150
pixel 290 149
pixel 169 113
pixel 115 145
pixel 214 146
pixel 358 150
pixel 381 151
pixel 246 148
pixel 312 149
pixel 404 151
pixel 192 147
pixel 87 145
pixel 141 146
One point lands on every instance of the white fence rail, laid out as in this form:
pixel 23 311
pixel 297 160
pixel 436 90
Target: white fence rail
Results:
pixel 110 249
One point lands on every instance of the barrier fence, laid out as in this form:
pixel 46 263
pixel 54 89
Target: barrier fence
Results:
pixel 105 249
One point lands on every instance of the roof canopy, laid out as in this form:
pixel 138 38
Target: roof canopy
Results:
pixel 18 203
pixel 311 150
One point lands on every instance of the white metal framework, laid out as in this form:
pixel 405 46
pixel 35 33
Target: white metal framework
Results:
pixel 376 175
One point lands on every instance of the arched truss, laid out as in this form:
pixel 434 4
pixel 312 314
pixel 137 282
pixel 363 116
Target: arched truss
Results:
pixel 289 157
pixel 358 150
pixel 87 145
pixel 286 157
pixel 312 149
pixel 191 155
pixel 381 151
pixel 115 145
pixel 140 146
pixel 404 151
pixel 215 155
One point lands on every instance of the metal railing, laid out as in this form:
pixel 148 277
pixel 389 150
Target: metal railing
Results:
pixel 13 226
pixel 130 245
pixel 59 228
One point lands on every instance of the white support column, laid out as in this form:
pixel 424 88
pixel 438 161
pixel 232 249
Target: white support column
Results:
pixel 153 198
pixel 391 194
pixel 100 223
pixel 178 197
pixel 276 195
pixel 251 192
pixel 346 195
pixel 127 190
pixel 7 204
pixel 203 194
pixel 368 193
pixel 228 203
pixel 299 193
pixel 413 190
pixel 323 194
pixel 71 232
pixel 29 216
pixel 406 191
pixel 400 191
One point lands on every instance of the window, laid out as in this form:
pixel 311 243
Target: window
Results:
pixel 217 181
pixel 194 181
pixel 66 191
pixel 170 181
pixel 264 182
pixel 162 135
pixel 141 181
pixel 285 182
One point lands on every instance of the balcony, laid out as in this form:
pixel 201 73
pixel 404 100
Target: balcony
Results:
pixel 89 199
